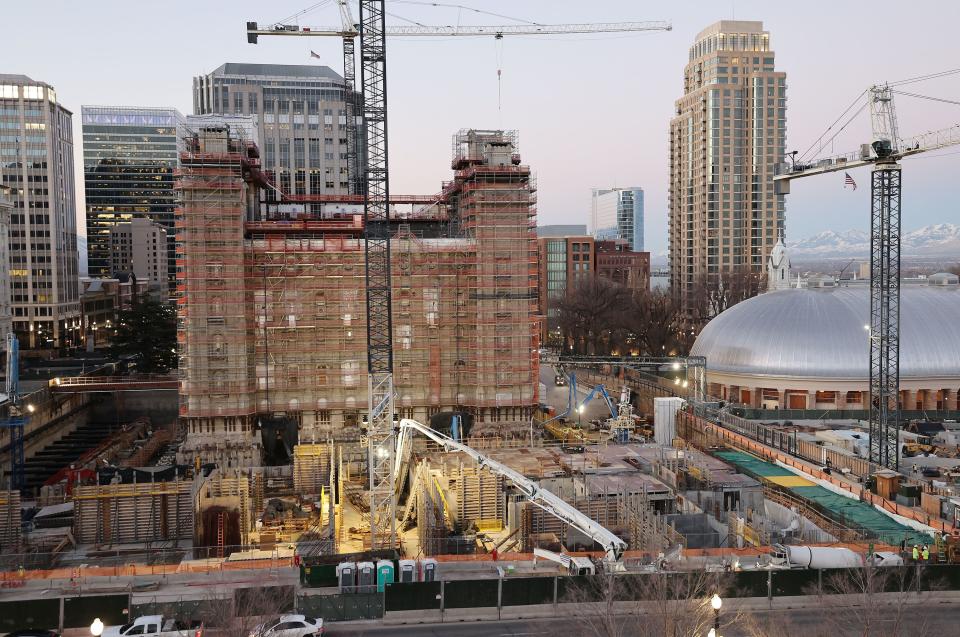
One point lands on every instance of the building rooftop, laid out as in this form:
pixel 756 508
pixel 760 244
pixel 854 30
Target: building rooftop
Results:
pixel 277 70
pixel 819 333
pixel 15 78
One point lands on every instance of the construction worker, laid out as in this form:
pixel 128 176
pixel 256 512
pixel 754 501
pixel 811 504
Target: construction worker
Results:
pixel 916 553
pixel 926 554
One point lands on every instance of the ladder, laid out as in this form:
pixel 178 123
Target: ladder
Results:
pixel 221 520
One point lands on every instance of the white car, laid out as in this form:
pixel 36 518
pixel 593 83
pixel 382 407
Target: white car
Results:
pixel 290 626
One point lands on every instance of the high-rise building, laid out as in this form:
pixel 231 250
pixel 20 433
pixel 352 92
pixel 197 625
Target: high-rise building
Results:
pixel 139 247
pixel 617 213
pixel 129 156
pixel 726 138
pixel 272 327
pixel 302 120
pixel 36 161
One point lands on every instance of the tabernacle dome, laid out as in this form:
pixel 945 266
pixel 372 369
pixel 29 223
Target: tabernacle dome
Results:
pixel 807 348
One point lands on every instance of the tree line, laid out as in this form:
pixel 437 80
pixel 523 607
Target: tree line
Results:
pixel 597 316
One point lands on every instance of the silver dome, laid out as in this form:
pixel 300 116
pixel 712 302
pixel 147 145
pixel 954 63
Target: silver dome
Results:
pixel 819 333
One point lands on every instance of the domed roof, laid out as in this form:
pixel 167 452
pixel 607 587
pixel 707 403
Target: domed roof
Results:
pixel 818 333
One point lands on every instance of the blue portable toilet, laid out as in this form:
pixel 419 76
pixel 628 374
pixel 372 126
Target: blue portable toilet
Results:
pixel 385 574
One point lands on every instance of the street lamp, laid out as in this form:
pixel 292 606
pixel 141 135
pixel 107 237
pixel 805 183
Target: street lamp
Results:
pixel 580 416
pixel 716 603
pixel 96 628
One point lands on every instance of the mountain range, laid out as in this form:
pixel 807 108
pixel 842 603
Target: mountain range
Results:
pixel 937 240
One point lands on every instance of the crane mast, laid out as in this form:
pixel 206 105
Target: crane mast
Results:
pixel 883 155
pixel 376 214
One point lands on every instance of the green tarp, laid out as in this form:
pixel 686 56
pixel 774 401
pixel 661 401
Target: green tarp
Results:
pixel 847 511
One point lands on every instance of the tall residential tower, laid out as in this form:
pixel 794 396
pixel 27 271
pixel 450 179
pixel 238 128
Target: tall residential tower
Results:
pixel 36 162
pixel 726 138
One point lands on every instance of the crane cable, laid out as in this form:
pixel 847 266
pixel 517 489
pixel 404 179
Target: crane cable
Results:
pixel 464 7
pixel 830 127
pixel 922 78
pixel 927 97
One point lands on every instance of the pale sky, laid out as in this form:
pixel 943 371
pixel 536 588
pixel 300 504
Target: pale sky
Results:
pixel 592 111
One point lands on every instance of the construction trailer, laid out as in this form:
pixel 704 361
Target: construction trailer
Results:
pixel 272 321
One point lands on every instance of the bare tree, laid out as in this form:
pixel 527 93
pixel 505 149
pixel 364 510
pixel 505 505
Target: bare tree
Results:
pixel 244 611
pixel 872 602
pixel 591 315
pixel 658 323
pixel 649 605
pixel 714 293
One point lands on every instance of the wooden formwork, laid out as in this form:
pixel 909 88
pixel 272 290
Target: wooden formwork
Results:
pixel 311 468
pixel 132 513
pixel 10 526
pixel 479 496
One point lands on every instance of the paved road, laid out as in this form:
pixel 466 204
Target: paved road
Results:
pixel 815 621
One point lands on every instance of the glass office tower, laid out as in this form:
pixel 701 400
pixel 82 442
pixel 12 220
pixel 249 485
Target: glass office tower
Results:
pixel 129 156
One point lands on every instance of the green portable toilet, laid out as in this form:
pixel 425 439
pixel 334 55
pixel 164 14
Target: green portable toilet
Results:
pixel 385 574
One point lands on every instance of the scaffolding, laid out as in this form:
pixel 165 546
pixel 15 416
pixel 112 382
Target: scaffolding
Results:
pixel 10 524
pixel 272 315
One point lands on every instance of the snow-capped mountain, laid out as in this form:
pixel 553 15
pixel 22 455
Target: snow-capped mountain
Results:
pixel 942 239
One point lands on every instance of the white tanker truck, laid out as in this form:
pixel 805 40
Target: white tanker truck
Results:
pixel 784 556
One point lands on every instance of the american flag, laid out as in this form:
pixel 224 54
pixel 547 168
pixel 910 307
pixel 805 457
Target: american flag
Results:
pixel 848 181
pixel 314 54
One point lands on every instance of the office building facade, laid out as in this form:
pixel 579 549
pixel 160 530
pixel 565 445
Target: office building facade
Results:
pixel 726 138
pixel 617 213
pixel 139 247
pixel 129 157
pixel 301 116
pixel 565 261
pixel 36 162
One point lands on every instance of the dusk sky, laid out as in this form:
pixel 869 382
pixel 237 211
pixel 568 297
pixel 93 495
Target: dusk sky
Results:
pixel 592 111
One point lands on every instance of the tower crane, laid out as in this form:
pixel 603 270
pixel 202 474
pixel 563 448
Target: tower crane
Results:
pixel 883 154
pixel 372 31
pixel 16 421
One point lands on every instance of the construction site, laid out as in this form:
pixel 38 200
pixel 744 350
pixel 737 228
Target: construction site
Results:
pixel 363 403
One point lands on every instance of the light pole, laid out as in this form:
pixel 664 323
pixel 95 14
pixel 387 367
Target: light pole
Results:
pixel 580 417
pixel 96 628
pixel 716 603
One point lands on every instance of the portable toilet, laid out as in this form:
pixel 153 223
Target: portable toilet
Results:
pixel 429 566
pixel 366 577
pixel 408 571
pixel 346 576
pixel 385 574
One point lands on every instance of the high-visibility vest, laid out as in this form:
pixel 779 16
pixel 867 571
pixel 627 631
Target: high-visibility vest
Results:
pixel 916 553
pixel 926 554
